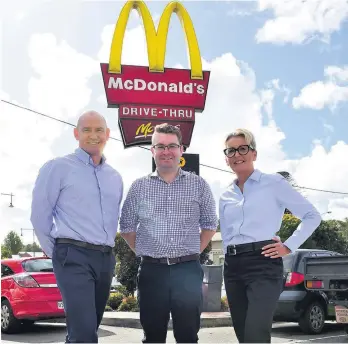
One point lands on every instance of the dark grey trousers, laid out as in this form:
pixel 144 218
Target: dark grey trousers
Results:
pixel 253 285
pixel 175 289
pixel 84 279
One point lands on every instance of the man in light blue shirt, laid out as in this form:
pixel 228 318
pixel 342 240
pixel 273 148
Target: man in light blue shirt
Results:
pixel 75 211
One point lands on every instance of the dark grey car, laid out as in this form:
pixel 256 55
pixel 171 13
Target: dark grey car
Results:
pixel 296 304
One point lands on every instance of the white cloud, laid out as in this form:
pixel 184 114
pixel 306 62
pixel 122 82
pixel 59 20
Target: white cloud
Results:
pixel 326 170
pixel 299 21
pixel 267 96
pixel 337 74
pixel 61 88
pixel 329 92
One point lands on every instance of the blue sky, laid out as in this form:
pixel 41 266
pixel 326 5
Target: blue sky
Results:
pixel 51 54
pixel 220 29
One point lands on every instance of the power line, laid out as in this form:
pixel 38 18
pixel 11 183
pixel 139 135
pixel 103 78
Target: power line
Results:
pixel 335 192
pixel 119 140
pixel 55 119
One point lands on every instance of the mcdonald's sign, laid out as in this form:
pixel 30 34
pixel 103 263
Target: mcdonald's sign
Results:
pixel 154 94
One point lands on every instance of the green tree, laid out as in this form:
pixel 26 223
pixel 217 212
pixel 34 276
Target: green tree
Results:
pixel 5 252
pixel 127 265
pixel 342 226
pixel 327 236
pixel 204 257
pixel 218 229
pixel 13 242
pixel 32 248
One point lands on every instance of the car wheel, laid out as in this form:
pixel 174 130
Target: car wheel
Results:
pixel 9 324
pixel 312 320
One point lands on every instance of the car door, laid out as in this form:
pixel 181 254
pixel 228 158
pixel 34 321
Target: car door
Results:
pixel 6 280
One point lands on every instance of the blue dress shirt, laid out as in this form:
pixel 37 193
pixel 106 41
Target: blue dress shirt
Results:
pixel 73 198
pixel 257 213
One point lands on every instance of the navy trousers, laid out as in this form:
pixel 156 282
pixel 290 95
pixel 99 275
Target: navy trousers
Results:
pixel 175 289
pixel 84 279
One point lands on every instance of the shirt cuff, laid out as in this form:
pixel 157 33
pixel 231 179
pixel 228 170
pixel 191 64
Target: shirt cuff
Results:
pixel 209 227
pixel 127 230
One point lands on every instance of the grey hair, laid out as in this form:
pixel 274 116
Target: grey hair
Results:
pixel 246 134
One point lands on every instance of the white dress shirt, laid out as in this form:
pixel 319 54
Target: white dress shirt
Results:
pixel 257 213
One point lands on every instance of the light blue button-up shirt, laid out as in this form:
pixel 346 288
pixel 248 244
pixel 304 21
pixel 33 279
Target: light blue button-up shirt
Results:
pixel 257 213
pixel 74 198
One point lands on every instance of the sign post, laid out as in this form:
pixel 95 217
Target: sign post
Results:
pixel 147 96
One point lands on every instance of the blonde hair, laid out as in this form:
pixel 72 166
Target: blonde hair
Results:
pixel 246 134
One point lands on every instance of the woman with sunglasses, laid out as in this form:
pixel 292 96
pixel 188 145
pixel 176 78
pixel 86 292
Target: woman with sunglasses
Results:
pixel 251 211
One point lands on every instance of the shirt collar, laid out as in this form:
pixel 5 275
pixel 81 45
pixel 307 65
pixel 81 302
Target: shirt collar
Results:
pixel 86 158
pixel 181 174
pixel 256 175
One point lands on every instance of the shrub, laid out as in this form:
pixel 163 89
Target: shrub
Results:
pixel 224 304
pixel 108 309
pixel 121 289
pixel 129 304
pixel 115 300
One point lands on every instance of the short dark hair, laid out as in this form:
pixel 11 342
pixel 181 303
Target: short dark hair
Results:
pixel 166 128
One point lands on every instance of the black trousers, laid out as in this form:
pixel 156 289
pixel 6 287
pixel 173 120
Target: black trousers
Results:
pixel 175 289
pixel 253 285
pixel 84 279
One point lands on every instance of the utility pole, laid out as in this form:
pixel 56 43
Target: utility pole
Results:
pixel 11 195
pixel 29 229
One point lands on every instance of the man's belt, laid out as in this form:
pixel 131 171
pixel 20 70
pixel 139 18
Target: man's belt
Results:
pixel 171 261
pixel 233 250
pixel 101 248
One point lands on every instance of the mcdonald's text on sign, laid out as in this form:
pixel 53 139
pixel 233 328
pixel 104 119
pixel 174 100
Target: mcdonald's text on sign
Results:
pixel 139 131
pixel 154 94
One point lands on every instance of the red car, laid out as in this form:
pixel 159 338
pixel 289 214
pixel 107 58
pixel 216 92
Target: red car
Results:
pixel 29 292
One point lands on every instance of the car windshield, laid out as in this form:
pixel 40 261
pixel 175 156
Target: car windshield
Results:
pixel 38 265
pixel 288 262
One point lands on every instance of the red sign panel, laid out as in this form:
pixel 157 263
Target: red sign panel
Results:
pixel 136 85
pixel 140 131
pixel 146 99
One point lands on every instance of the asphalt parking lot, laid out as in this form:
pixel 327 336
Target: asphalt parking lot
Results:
pixel 282 333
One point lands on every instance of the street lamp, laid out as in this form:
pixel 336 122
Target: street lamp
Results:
pixel 29 229
pixel 11 195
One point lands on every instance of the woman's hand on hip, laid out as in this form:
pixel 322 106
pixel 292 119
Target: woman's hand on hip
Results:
pixel 276 250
